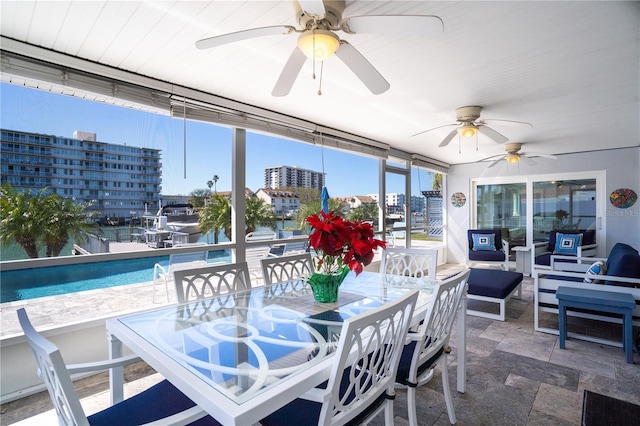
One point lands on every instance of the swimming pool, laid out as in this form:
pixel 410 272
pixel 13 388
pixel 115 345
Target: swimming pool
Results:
pixel 55 280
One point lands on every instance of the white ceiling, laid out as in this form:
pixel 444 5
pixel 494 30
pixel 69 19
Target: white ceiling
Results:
pixel 571 69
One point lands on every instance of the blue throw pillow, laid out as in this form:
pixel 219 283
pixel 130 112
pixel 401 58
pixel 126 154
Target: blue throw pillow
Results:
pixel 484 241
pixel 567 244
pixel 597 268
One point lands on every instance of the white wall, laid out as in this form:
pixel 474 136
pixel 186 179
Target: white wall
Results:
pixel 621 168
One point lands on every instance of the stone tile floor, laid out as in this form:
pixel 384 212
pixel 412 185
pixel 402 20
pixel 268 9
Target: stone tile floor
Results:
pixel 515 376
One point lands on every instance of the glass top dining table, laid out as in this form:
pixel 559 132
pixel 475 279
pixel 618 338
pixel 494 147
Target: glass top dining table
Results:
pixel 242 356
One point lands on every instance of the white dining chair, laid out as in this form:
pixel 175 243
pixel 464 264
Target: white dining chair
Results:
pixel 429 344
pixel 361 383
pixel 286 268
pixel 412 262
pixel 161 402
pixel 201 283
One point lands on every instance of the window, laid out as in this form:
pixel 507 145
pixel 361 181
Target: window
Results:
pixel 563 205
pixel 528 210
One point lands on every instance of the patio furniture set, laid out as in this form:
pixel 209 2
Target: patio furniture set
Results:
pixel 568 281
pixel 227 338
pixel 236 354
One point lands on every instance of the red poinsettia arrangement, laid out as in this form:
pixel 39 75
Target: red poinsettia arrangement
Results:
pixel 338 242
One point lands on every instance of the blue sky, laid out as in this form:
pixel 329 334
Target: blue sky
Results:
pixel 208 146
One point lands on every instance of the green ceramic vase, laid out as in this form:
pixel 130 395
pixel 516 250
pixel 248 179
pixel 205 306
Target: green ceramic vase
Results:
pixel 325 286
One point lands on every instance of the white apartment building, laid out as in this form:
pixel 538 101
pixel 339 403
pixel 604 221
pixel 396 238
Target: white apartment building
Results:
pixel 119 179
pixel 293 177
pixel 282 202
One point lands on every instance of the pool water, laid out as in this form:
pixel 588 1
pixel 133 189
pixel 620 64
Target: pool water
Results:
pixel 55 280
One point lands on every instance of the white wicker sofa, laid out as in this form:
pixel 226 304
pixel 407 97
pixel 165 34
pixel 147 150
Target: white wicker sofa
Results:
pixel 623 275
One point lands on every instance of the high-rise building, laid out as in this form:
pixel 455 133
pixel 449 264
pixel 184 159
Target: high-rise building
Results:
pixel 119 179
pixel 294 177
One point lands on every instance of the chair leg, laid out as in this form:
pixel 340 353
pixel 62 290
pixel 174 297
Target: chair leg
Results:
pixel 446 390
pixel 411 406
pixel 388 413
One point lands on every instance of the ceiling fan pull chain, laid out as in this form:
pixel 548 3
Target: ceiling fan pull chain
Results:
pixel 459 144
pixel 476 141
pixel 314 54
pixel 320 85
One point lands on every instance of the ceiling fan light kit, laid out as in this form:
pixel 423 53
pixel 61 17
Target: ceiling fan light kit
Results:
pixel 512 158
pixel 514 155
pixel 318 44
pixel 318 21
pixel 469 124
pixel 468 130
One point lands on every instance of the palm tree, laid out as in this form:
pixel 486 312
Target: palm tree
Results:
pixel 215 183
pixel 67 219
pixel 21 219
pixel 33 219
pixel 437 181
pixel 258 213
pixel 217 215
pixel 364 212
pixel 314 207
pixel 197 197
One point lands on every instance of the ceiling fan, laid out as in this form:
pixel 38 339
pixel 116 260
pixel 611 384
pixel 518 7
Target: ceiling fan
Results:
pixel 319 20
pixel 514 155
pixel 468 125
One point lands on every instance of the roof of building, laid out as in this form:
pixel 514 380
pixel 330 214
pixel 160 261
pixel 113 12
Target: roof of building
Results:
pixel 278 193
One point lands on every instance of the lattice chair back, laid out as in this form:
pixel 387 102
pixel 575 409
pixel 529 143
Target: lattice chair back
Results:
pixel 429 344
pixel 413 262
pixel 366 361
pixel 53 371
pixel 202 283
pixel 441 314
pixel 286 268
pixel 362 377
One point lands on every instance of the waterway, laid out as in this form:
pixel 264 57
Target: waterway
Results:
pixel 41 282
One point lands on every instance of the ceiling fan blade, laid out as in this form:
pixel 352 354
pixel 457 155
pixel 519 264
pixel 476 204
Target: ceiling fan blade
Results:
pixel 219 40
pixel 313 7
pixel 527 160
pixel 289 73
pixel 362 68
pixel 434 128
pixel 491 158
pixel 448 139
pixel 415 25
pixel 539 154
pixel 503 122
pixel 495 162
pixel 488 131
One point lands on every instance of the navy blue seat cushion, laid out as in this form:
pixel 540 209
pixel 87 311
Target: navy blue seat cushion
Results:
pixel 159 401
pixel 402 376
pixel 623 261
pixel 304 412
pixel 492 282
pixel 545 259
pixel 486 255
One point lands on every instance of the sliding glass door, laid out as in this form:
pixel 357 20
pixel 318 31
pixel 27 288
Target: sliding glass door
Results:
pixel 563 205
pixel 529 209
pixel 503 206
